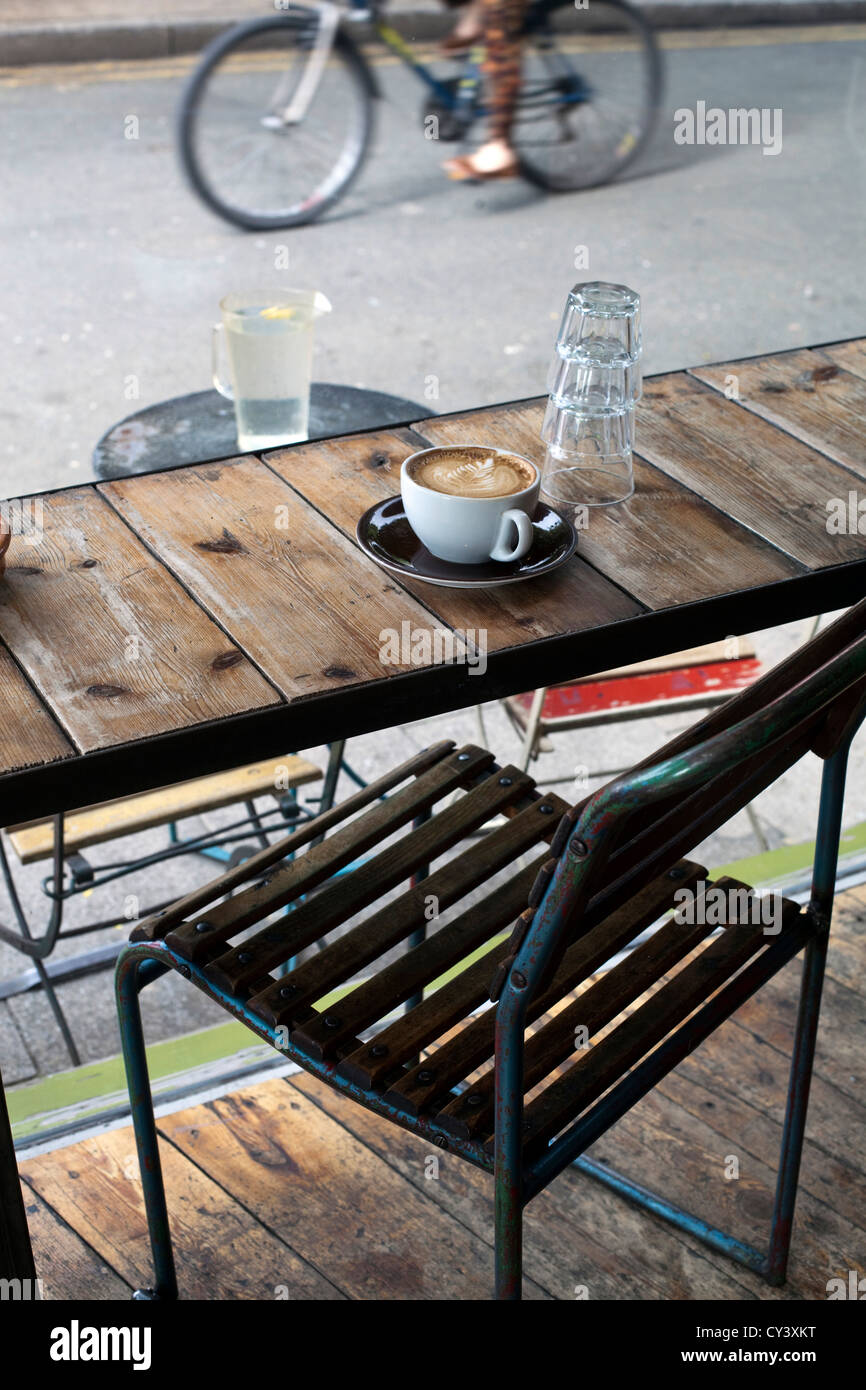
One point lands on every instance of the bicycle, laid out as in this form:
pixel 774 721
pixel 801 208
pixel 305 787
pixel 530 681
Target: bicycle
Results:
pixel 277 118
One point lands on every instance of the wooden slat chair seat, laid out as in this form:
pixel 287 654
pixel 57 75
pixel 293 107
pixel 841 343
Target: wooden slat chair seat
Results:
pixel 33 841
pixel 522 1088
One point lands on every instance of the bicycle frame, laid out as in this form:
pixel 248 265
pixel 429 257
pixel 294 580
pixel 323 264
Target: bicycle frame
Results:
pixel 464 96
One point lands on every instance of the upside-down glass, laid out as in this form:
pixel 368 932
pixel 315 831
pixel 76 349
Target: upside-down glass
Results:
pixel 588 462
pixel 269 338
pixel 601 323
pixel 594 387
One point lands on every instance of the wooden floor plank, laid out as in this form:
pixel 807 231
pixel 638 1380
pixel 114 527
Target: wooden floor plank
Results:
pixel 576 1233
pixel 670 1151
pixel 737 1063
pixel 847 951
pixel 222 1251
pixel 338 1203
pixel 346 476
pixel 110 640
pixel 840 1056
pixel 28 733
pixel 808 393
pixel 768 480
pixel 299 598
pixel 850 355
pixel 839 1184
pixel 66 1266
pixel 704 552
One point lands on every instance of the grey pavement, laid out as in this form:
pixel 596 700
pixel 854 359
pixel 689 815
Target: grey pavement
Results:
pixel 117 272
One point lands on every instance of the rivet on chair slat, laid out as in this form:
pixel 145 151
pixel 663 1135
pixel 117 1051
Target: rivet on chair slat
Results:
pixel 604 1064
pixel 342 959
pixel 291 881
pixel 248 963
pixel 456 1059
pixel 192 904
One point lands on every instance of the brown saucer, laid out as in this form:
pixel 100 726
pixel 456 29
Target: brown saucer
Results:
pixel 385 535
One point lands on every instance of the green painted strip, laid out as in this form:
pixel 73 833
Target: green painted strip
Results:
pixel 787 860
pixel 97 1079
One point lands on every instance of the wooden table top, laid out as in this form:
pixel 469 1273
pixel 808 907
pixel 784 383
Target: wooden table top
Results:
pixel 184 622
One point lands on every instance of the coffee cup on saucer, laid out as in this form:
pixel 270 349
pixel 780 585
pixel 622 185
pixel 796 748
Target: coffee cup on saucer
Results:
pixel 470 503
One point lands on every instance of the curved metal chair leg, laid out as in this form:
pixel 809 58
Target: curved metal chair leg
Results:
pixel 39 948
pixel 135 969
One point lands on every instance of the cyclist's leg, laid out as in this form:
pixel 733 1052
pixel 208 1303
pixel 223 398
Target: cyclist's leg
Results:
pixel 503 25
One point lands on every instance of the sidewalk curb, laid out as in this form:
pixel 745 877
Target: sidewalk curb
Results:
pixel 120 40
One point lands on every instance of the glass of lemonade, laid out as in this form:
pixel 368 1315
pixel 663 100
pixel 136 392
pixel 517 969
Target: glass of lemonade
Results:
pixel 269 340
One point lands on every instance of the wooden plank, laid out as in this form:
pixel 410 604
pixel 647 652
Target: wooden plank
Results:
pixel 710 653
pixel 473 1112
pixel 850 355
pixel 132 814
pixel 473 1045
pixel 28 733
pixel 846 958
pixel 112 643
pixel 155 927
pixel 840 1055
pixel 290 589
pixel 839 1184
pixel 577 1234
pixel 413 971
pixel 736 1063
pixel 352 1216
pixel 747 467
pixel 343 477
pixel 292 880
pixel 664 543
pixel 393 923
pixel 249 962
pixel 222 1251
pixel 65 1265
pixel 807 393
pixel 681 1155
pixel 631 1040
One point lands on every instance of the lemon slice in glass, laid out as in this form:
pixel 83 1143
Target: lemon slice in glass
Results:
pixel 279 311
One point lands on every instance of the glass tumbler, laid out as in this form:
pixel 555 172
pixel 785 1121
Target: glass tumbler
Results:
pixel 588 460
pixel 601 323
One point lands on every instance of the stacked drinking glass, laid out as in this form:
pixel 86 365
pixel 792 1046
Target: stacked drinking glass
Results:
pixel 594 382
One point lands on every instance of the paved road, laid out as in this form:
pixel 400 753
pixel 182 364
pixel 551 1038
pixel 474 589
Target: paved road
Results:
pixel 117 269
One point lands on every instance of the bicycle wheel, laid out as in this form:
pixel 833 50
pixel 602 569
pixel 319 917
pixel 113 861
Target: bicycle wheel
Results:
pixel 589 96
pixel 246 153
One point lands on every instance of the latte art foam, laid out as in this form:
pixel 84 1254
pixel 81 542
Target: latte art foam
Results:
pixel 473 472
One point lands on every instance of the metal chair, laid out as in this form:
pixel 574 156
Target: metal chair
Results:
pixel 518 1100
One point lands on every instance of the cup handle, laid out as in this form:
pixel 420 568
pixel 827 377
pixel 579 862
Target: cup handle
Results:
pixel 216 338
pixel 519 519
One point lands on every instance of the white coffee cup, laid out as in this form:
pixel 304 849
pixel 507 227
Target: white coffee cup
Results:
pixel 470 530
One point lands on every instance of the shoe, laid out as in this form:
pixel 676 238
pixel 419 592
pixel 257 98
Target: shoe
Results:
pixel 462 170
